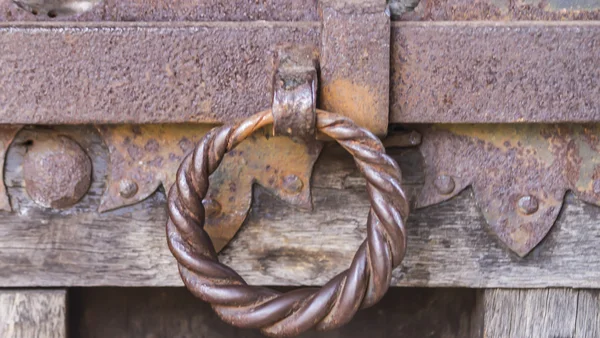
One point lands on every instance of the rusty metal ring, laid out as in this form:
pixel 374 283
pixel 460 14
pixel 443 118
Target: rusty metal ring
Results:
pixel 291 313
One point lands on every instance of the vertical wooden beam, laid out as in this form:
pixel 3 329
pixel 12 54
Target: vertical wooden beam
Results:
pixel 588 314
pixel 529 313
pixel 33 313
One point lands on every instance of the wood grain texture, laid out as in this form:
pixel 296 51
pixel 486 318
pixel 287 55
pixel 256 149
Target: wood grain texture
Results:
pixel 588 314
pixel 173 312
pixel 33 313
pixel 540 313
pixel 449 245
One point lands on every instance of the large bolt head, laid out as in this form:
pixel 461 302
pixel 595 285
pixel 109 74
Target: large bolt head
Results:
pixel 57 171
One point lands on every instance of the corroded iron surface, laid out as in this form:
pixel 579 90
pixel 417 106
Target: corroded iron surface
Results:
pixel 56 170
pixel 140 73
pixel 144 157
pixel 119 73
pixel 519 173
pixel 495 72
pixel 462 10
pixel 295 92
pixel 290 10
pixel 292 313
pixel 158 10
pixel 7 134
pixel 355 67
pixel 402 139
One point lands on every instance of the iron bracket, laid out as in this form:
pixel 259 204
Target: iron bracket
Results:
pixel 519 173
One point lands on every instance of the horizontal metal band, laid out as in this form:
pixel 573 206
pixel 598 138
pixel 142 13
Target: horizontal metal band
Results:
pixel 290 10
pixel 76 73
pixel 484 72
pixel 497 10
pixel 140 73
pixel 156 10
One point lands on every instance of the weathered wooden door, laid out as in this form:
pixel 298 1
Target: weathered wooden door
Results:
pixel 490 109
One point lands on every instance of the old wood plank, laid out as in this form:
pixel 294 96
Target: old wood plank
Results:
pixel 448 244
pixel 588 314
pixel 530 313
pixel 33 313
pixel 174 312
pixel 534 313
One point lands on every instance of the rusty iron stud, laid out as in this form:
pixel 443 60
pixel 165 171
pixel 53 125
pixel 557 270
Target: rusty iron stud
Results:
pixel 528 205
pixel 212 207
pixel 295 92
pixel 444 184
pixel 57 171
pixel 127 188
pixel 292 184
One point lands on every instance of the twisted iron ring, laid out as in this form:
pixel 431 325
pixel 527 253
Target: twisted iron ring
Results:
pixel 288 314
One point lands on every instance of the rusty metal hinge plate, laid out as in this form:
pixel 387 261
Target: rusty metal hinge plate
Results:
pixel 519 173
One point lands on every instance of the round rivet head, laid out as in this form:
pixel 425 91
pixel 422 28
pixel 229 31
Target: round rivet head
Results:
pixel 212 208
pixel 596 187
pixel 528 205
pixel 57 171
pixel 292 184
pixel 444 184
pixel 127 188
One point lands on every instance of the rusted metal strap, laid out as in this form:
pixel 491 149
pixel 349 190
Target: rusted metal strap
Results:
pixel 215 72
pixel 158 10
pixel 355 61
pixel 140 73
pixel 295 92
pixel 484 72
pixel 290 10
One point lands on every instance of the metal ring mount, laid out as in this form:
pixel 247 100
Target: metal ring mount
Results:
pixel 287 314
